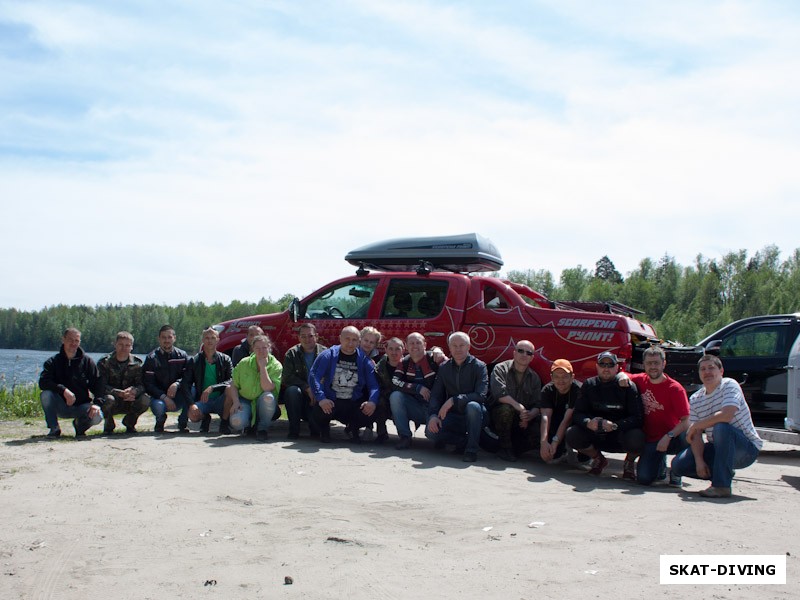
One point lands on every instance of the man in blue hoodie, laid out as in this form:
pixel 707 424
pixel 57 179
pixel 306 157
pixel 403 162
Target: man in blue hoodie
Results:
pixel 343 382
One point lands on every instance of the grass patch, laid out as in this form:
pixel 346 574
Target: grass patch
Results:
pixel 20 401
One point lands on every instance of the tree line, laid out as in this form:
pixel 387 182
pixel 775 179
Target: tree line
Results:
pixel 683 303
pixel 42 329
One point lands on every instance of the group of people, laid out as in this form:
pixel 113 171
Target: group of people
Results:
pixel 457 401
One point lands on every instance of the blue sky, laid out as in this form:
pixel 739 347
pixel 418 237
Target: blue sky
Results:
pixel 202 151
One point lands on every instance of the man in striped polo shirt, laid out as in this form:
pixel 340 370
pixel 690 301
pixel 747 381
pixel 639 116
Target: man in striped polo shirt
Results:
pixel 719 410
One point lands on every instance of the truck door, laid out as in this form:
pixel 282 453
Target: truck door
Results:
pixel 756 356
pixel 416 304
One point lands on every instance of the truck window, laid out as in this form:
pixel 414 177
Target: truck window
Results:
pixel 756 340
pixel 348 301
pixel 410 299
pixel 494 298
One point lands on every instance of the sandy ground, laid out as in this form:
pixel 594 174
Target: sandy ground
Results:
pixel 205 516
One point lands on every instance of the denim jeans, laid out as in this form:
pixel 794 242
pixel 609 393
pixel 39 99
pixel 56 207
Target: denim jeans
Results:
pixel 298 407
pixel 652 462
pixel 458 429
pixel 265 409
pixel 159 408
pixel 55 406
pixel 730 450
pixel 405 408
pixel 212 406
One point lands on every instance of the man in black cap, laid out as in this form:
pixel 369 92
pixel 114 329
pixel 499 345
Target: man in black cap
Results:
pixel 607 417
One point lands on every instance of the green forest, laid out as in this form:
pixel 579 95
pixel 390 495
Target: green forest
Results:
pixel 683 303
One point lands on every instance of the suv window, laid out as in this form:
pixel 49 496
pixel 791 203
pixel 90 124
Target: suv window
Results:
pixel 414 299
pixel 755 340
pixel 348 301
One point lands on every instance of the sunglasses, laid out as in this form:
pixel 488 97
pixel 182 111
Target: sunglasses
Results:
pixel 606 365
pixel 523 351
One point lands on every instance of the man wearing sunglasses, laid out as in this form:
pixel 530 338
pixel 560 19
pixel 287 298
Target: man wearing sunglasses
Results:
pixel 607 417
pixel 515 392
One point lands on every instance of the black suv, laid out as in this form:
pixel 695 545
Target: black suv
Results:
pixel 755 352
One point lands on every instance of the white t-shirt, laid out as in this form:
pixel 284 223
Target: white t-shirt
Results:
pixel 728 393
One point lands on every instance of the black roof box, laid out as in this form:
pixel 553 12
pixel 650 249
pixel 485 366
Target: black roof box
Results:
pixel 467 253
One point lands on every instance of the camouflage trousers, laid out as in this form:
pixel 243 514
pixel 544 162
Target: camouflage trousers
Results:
pixel 132 410
pixel 506 424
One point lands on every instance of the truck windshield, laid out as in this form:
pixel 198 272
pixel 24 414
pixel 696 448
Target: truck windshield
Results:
pixel 348 301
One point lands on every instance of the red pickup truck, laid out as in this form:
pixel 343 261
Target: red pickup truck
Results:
pixel 424 285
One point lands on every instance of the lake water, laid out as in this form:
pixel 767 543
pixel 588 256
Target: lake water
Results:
pixel 24 366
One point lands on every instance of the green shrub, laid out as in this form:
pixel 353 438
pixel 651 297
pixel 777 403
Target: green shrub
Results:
pixel 20 401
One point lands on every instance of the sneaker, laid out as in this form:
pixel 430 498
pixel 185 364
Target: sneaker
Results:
pixel 205 424
pixel 159 428
pixel 599 463
pixel 404 443
pixel 382 438
pixel 224 426
pixel 183 428
pixel 470 457
pixel 506 454
pixel 54 433
pixel 674 480
pixel 629 470
pixel 261 436
pixel 716 492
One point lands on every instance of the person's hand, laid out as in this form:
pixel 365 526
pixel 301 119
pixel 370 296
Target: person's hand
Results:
pixel 172 391
pixel 69 397
pixel 691 433
pixel 703 472
pixel 94 411
pixel 128 394
pixel 594 425
pixel 434 423
pixel 663 443
pixel 326 406
pixel 170 404
pixel 445 409
pixel 623 380
pixel 368 408
pixel 206 393
pixel 425 393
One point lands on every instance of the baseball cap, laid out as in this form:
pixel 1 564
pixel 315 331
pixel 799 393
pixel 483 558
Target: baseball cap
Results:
pixel 609 355
pixel 561 363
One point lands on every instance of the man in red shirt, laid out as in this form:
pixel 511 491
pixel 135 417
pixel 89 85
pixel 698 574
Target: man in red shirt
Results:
pixel 666 419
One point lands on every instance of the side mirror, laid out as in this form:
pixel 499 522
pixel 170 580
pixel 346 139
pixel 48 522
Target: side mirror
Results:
pixel 713 347
pixel 294 309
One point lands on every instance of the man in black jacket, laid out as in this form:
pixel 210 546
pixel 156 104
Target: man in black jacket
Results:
pixel 607 416
pixel 456 411
pixel 163 372
pixel 66 382
pixel 207 375
pixel 296 394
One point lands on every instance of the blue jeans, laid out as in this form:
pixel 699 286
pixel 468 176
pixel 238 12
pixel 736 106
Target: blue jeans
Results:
pixel 456 428
pixel 55 406
pixel 405 408
pixel 652 462
pixel 730 450
pixel 213 406
pixel 159 408
pixel 265 409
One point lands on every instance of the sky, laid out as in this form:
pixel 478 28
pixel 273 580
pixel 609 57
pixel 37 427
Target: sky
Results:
pixel 166 152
